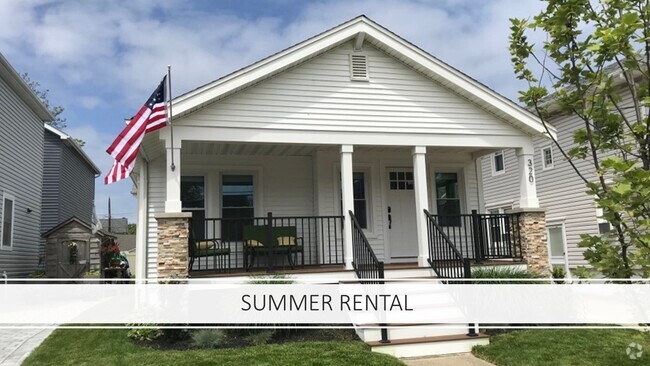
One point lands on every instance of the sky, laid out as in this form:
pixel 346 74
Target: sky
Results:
pixel 101 59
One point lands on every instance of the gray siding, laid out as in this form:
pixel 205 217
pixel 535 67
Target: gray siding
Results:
pixel 21 175
pixel 68 184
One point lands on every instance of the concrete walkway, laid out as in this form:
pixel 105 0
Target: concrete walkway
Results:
pixel 17 344
pixel 461 359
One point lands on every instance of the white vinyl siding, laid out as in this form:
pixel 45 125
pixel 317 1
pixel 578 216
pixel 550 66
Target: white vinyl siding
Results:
pixel 318 95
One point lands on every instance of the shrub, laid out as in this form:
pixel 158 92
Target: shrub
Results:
pixel 503 273
pixel 144 334
pixel 259 336
pixel 267 280
pixel 208 338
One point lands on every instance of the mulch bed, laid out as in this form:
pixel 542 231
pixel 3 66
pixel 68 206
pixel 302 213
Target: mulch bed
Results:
pixel 239 341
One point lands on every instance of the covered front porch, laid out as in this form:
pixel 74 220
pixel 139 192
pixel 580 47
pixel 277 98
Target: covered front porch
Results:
pixel 282 207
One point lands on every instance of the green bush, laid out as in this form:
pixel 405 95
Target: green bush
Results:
pixel 503 273
pixel 267 280
pixel 208 338
pixel 259 336
pixel 144 334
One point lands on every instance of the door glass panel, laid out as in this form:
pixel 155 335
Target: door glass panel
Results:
pixel 556 240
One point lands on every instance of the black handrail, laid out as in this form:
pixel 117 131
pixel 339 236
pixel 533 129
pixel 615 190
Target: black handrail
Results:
pixel 445 259
pixel 365 263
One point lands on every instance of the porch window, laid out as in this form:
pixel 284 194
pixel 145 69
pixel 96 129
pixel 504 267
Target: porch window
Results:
pixel 236 203
pixel 193 199
pixel 448 199
pixel 360 203
pixel 6 239
pixel 359 189
pixel 498 164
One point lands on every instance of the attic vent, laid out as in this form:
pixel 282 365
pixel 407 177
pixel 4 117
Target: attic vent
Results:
pixel 358 66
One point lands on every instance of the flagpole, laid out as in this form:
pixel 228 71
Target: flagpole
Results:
pixel 171 126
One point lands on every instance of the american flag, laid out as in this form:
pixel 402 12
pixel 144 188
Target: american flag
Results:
pixel 152 116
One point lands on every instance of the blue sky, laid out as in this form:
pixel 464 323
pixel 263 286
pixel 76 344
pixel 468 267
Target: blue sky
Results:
pixel 102 59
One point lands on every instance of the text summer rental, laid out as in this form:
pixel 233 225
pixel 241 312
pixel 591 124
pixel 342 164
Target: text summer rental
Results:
pixel 323 302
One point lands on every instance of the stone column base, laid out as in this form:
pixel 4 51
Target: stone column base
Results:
pixel 531 226
pixel 173 245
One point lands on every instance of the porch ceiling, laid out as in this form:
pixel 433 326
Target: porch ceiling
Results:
pixel 256 149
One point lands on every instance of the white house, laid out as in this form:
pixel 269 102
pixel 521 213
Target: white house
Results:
pixel 353 119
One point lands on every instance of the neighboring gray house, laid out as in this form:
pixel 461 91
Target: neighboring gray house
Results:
pixel 570 211
pixel 68 180
pixel 21 173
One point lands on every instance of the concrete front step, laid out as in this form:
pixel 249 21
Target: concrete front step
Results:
pixel 429 346
pixel 408 331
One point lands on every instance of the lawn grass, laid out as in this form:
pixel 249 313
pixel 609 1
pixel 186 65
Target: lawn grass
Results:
pixel 592 347
pixel 112 347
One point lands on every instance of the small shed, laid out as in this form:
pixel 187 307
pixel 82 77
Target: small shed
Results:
pixel 72 249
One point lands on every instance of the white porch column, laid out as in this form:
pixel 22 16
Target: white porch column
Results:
pixel 527 183
pixel 141 236
pixel 173 200
pixel 421 202
pixel 347 198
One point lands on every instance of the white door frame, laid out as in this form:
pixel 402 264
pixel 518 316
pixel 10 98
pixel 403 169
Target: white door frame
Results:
pixel 562 224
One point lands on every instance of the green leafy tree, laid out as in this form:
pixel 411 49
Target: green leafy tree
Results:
pixel 595 65
pixel 59 121
pixel 131 229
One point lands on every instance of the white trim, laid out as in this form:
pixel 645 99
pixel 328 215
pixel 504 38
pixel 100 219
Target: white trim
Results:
pixel 552 165
pixel 493 156
pixel 70 141
pixel 12 198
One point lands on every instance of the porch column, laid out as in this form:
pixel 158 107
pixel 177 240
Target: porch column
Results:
pixel 527 184
pixel 421 202
pixel 347 198
pixel 173 200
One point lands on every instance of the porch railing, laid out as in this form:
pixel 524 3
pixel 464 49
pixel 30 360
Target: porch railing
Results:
pixel 365 263
pixel 265 243
pixel 444 257
pixel 482 236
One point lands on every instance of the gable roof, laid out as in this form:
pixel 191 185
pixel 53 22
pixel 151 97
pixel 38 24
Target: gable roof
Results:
pixel 365 29
pixel 75 219
pixel 24 92
pixel 69 141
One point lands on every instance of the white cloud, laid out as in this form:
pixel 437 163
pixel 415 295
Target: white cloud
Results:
pixel 90 102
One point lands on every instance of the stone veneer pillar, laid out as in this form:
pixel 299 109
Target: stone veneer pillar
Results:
pixel 531 223
pixel 173 234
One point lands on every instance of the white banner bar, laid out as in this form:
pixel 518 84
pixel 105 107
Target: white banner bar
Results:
pixel 398 302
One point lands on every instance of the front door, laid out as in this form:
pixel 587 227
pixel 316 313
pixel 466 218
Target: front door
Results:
pixel 403 245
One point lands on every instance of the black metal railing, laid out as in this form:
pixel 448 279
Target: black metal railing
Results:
pixel 365 263
pixel 265 243
pixel 482 236
pixel 444 257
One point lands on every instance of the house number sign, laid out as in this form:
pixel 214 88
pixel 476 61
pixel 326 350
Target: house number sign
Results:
pixel 531 177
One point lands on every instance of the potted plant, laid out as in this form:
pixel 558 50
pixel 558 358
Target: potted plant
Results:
pixel 111 254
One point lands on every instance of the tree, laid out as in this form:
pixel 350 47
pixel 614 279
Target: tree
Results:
pixel 59 122
pixel 131 229
pixel 594 54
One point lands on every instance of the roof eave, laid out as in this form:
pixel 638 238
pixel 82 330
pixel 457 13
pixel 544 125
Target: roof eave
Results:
pixel 18 85
pixel 69 141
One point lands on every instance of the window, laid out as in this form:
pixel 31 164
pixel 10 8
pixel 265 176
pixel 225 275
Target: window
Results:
pixel 401 181
pixel 547 157
pixel 193 200
pixel 236 203
pixel 6 239
pixel 360 202
pixel 359 189
pixel 448 199
pixel 498 165
pixel 603 225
